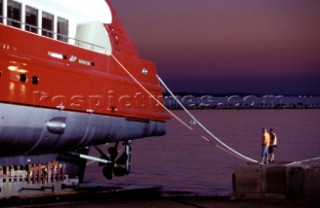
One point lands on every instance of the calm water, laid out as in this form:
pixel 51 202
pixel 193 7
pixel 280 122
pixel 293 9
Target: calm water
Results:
pixel 181 161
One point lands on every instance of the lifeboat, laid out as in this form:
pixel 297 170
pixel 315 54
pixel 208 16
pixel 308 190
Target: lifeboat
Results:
pixel 64 87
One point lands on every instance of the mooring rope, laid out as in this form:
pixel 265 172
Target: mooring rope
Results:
pixel 227 148
pixel 224 146
pixel 149 93
pixel 203 127
pixel 303 161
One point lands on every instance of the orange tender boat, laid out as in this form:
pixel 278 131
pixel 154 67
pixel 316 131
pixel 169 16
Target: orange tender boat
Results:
pixel 62 89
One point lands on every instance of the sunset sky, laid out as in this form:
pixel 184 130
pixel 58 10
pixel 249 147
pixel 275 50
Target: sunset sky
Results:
pixel 225 46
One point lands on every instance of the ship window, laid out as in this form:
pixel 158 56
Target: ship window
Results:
pixel 62 29
pixel 23 77
pixel 31 19
pixel 1 5
pixel 14 13
pixel 47 24
pixel 35 80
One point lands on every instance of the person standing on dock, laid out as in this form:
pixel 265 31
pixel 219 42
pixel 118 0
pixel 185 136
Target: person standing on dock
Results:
pixel 273 145
pixel 265 145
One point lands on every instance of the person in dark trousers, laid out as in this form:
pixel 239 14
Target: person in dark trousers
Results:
pixel 273 145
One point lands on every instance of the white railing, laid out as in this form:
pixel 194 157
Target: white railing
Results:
pixel 54 35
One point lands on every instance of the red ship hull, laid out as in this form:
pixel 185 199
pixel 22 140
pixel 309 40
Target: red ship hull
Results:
pixel 89 101
pixel 59 96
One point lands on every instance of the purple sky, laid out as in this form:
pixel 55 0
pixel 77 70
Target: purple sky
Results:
pixel 253 46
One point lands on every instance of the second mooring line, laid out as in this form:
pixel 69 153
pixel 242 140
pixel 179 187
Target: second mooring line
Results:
pixel 223 146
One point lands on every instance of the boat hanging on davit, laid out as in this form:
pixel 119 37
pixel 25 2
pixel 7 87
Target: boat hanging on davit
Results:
pixel 63 91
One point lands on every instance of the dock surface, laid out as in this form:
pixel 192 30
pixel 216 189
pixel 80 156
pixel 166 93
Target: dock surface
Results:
pixel 149 197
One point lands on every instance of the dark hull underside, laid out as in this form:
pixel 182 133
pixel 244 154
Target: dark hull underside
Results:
pixel 26 130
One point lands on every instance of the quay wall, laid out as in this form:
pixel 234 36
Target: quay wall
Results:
pixel 277 181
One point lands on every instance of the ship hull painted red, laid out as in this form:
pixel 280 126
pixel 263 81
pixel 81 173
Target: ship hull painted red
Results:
pixel 76 86
pixel 58 99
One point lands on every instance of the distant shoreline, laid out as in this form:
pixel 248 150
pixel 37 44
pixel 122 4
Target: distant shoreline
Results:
pixel 200 101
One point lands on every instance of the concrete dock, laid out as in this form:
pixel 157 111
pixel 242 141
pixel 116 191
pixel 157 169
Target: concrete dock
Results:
pixel 268 185
pixel 276 181
pixel 149 197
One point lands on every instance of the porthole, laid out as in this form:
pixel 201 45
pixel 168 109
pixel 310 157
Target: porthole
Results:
pixel 35 80
pixel 23 78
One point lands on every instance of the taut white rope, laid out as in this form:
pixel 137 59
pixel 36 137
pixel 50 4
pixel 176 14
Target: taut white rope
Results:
pixel 151 95
pixel 232 151
pixel 203 127
pixel 303 161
